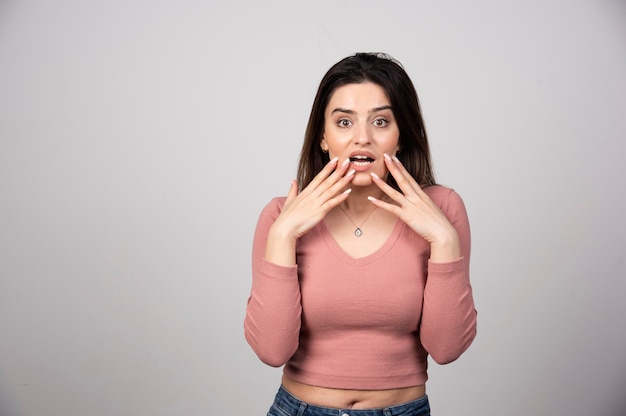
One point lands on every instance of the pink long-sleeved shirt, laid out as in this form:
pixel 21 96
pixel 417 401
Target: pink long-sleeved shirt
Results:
pixel 361 323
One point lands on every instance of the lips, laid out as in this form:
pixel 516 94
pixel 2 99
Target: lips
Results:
pixel 361 160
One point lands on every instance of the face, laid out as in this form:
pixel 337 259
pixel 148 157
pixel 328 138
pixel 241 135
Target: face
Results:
pixel 359 124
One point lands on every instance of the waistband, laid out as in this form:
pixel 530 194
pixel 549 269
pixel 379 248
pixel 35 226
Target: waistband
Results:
pixel 292 406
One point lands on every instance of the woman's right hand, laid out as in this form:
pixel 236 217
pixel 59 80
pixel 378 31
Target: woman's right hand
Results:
pixel 303 211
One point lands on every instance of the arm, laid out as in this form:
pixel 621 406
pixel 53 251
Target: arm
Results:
pixel 272 322
pixel 448 324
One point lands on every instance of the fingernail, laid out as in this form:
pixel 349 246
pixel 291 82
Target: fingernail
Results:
pixel 345 162
pixel 334 159
pixel 374 175
pixel 386 156
pixel 351 172
pixel 347 191
pixel 371 198
pixel 395 158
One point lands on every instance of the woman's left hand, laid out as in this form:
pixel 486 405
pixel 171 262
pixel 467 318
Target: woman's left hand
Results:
pixel 419 212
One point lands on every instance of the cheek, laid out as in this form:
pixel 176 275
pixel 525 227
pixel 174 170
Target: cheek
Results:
pixel 336 140
pixel 396 141
pixel 392 143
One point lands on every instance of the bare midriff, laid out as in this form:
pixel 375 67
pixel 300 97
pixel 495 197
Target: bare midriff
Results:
pixel 352 399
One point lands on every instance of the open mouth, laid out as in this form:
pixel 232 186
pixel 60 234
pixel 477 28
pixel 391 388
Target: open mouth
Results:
pixel 360 160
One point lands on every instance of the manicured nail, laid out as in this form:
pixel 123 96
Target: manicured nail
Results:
pixel 386 156
pixel 374 175
pixel 351 172
pixel 347 191
pixel 371 198
pixel 345 162
pixel 334 159
pixel 395 159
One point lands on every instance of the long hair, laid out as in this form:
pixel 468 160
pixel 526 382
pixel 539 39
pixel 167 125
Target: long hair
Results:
pixel 383 70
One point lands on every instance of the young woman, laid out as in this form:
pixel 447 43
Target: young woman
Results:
pixel 362 270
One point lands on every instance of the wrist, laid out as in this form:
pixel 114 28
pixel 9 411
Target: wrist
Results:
pixel 281 247
pixel 446 248
pixel 281 232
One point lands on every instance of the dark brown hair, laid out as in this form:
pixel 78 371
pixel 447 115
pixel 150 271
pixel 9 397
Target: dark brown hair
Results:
pixel 383 70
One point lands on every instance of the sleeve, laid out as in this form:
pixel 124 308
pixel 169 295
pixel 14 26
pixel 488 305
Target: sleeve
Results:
pixel 448 324
pixel 272 321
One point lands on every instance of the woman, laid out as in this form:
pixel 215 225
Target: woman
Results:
pixel 362 271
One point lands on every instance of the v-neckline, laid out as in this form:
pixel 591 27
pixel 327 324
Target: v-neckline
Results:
pixel 334 246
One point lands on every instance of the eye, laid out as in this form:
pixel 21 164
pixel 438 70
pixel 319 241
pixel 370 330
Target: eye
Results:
pixel 344 122
pixel 380 122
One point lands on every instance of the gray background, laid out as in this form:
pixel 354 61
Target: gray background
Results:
pixel 140 139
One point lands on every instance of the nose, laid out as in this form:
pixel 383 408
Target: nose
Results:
pixel 362 134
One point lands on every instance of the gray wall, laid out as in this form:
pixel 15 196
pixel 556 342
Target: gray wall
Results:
pixel 140 139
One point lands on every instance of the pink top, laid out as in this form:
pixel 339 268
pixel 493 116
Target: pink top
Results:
pixel 361 323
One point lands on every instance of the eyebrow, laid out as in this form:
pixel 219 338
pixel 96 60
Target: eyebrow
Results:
pixel 373 110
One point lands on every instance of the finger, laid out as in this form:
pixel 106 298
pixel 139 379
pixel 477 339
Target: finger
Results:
pixel 418 187
pixel 327 196
pixel 403 178
pixel 324 181
pixel 323 174
pixel 415 187
pixel 388 190
pixel 340 184
pixel 339 172
pixel 394 209
pixel 334 201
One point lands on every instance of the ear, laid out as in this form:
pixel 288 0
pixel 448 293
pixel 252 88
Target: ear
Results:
pixel 323 143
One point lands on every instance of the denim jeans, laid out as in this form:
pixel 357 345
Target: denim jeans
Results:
pixel 287 405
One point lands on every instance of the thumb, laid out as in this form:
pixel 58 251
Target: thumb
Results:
pixel 293 190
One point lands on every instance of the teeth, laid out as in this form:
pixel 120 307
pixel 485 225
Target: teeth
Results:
pixel 361 160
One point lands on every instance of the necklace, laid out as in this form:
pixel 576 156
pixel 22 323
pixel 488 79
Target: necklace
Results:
pixel 357 231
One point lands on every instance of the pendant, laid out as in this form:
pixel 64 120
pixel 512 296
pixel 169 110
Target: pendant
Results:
pixel 358 232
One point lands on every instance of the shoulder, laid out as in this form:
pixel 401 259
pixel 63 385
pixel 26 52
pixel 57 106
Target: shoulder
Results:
pixel 268 214
pixel 276 203
pixel 449 201
pixel 273 207
pixel 443 196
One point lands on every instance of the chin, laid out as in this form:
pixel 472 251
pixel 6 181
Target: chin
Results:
pixel 362 180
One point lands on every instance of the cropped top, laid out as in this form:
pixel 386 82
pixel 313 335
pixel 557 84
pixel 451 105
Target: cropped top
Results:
pixel 361 323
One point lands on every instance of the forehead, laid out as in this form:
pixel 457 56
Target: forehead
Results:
pixel 364 96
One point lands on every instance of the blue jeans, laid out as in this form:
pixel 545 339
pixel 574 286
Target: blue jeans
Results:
pixel 287 405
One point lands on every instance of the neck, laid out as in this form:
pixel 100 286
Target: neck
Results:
pixel 357 201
